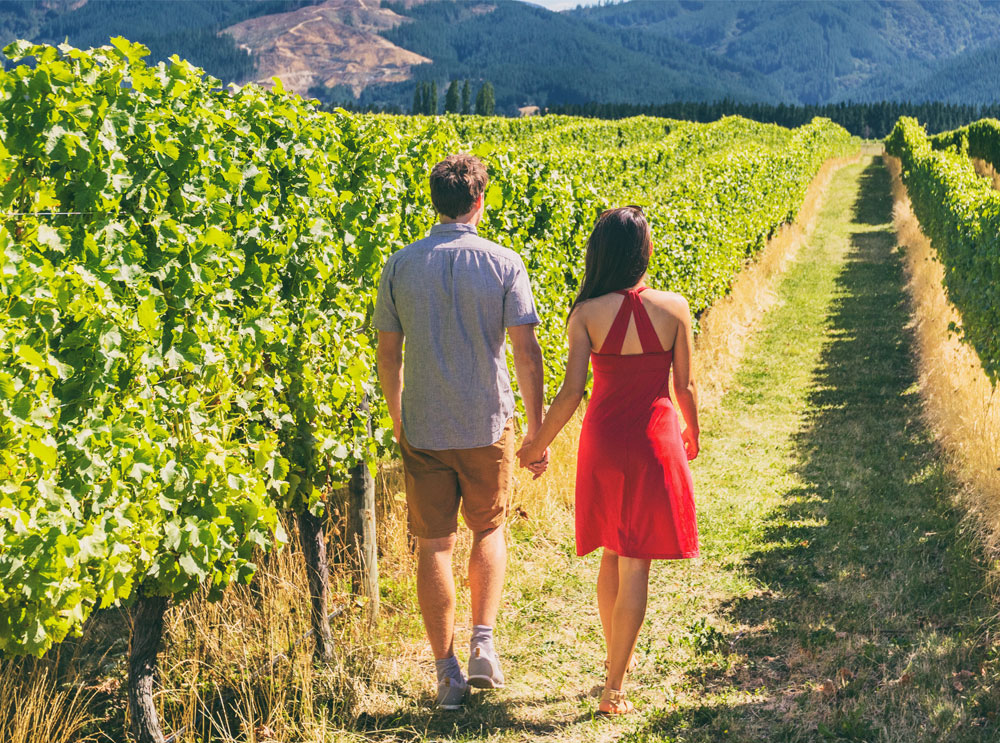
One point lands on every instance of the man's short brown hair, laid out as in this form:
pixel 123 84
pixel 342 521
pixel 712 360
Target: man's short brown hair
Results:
pixel 456 183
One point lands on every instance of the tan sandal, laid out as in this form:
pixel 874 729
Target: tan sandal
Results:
pixel 613 702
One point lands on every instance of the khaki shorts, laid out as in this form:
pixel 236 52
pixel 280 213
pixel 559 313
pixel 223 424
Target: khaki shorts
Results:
pixel 437 482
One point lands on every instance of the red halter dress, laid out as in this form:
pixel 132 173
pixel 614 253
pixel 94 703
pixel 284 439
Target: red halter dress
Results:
pixel 634 493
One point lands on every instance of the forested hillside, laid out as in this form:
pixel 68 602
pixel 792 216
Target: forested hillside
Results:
pixel 534 56
pixel 830 50
pixel 641 52
pixel 970 77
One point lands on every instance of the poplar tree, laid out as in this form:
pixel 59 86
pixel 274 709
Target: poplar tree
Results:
pixel 432 101
pixel 451 100
pixel 466 98
pixel 485 100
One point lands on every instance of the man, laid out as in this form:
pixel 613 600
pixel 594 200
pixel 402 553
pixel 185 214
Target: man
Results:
pixel 452 296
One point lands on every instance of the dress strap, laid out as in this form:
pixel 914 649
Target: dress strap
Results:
pixel 648 338
pixel 616 336
pixel 631 305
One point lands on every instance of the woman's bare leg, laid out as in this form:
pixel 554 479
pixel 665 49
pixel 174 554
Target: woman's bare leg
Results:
pixel 607 592
pixel 627 616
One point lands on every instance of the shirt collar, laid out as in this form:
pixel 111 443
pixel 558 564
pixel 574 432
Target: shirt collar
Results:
pixel 453 227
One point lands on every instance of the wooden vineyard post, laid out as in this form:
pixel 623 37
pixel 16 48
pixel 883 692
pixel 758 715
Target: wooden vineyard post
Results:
pixel 361 532
pixel 144 643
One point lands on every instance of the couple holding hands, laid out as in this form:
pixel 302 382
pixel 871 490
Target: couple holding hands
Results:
pixel 454 296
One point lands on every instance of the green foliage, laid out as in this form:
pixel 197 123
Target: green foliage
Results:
pixel 187 352
pixel 980 139
pixel 704 638
pixel 183 357
pixel 960 214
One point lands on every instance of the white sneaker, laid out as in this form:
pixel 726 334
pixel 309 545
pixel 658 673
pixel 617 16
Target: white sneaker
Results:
pixel 484 668
pixel 451 694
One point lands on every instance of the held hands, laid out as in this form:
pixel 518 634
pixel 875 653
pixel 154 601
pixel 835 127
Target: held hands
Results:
pixel 532 457
pixel 690 439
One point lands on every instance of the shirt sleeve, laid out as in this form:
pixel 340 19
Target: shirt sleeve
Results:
pixel 518 304
pixel 386 318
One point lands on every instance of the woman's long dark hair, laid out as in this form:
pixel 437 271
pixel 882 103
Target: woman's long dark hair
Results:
pixel 617 253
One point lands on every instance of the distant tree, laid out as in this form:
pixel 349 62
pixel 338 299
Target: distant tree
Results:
pixel 466 98
pixel 418 100
pixel 432 102
pixel 863 119
pixel 452 103
pixel 485 100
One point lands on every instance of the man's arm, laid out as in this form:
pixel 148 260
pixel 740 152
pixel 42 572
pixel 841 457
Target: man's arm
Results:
pixel 389 356
pixel 530 372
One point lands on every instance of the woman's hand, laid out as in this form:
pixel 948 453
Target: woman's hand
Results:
pixel 690 439
pixel 533 457
pixel 534 451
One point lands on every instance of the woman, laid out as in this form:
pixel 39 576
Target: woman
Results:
pixel 633 484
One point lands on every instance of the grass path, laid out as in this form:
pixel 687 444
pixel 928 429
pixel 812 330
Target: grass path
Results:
pixel 836 598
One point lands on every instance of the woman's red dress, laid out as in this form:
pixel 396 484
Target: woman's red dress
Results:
pixel 634 493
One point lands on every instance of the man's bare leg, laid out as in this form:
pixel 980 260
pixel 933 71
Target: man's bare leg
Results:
pixel 436 593
pixel 487 567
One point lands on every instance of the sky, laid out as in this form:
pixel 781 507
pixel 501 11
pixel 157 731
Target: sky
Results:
pixel 561 4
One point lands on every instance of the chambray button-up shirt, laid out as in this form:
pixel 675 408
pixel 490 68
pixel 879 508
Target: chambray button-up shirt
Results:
pixel 452 295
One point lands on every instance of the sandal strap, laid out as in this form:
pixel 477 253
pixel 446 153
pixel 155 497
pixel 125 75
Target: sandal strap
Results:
pixel 616 701
pixel 616 696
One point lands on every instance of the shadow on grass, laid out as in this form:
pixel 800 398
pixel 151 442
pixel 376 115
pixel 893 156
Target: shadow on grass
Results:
pixel 483 716
pixel 872 582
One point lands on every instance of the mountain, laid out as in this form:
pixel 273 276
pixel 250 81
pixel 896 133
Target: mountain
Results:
pixel 825 50
pixel 535 56
pixel 367 52
pixel 970 77
pixel 24 19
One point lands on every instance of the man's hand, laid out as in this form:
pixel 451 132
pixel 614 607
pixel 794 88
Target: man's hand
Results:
pixel 532 457
pixel 397 428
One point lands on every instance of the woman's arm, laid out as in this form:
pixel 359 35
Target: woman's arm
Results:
pixel 684 390
pixel 570 394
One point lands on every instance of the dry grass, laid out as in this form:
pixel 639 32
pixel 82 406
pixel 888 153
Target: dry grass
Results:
pixel 962 407
pixel 726 327
pixel 34 707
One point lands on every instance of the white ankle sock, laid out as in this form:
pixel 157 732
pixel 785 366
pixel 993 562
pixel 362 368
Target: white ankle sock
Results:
pixel 482 636
pixel 449 668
